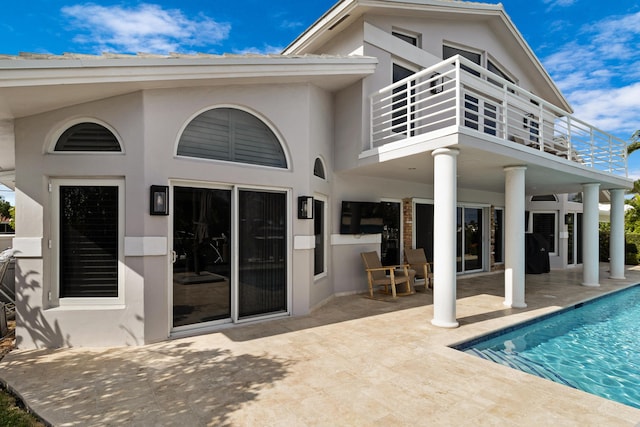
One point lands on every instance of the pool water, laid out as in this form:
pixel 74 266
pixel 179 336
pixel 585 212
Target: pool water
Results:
pixel 593 346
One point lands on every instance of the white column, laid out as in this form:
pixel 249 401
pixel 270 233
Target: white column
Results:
pixel 514 243
pixel 590 262
pixel 444 236
pixel 616 238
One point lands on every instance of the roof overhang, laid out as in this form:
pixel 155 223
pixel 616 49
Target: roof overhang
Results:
pixel 346 12
pixel 31 85
pixel 481 164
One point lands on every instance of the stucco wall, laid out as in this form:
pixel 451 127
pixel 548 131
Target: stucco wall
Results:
pixel 148 125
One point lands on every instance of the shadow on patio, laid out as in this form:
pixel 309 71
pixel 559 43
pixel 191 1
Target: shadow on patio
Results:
pixel 338 365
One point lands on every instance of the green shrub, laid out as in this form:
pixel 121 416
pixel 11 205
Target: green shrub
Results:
pixel 631 250
pixel 604 242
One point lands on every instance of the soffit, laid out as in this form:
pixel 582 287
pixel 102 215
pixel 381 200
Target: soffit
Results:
pixel 30 86
pixel 481 163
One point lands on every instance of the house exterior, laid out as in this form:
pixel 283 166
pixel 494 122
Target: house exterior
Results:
pixel 158 196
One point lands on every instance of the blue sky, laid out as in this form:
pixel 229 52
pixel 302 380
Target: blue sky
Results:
pixel 590 49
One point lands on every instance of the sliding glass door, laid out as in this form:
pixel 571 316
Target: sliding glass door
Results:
pixel 201 254
pixel 470 245
pixel 262 263
pixel 204 287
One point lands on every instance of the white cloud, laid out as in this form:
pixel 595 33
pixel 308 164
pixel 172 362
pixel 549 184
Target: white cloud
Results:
pixel 265 50
pixel 291 25
pixel 615 110
pixel 558 3
pixel 599 74
pixel 145 28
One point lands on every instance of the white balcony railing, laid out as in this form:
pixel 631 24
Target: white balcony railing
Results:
pixel 459 93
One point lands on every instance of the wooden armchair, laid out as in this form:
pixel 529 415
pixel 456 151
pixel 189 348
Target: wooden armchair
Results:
pixel 386 276
pixel 417 261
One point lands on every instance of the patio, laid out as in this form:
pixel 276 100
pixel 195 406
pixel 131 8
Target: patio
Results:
pixel 354 361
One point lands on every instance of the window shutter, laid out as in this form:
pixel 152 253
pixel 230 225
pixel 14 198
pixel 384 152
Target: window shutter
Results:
pixel 88 241
pixel 87 137
pixel 231 135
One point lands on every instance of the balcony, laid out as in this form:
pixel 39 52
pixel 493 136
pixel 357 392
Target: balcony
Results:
pixel 457 93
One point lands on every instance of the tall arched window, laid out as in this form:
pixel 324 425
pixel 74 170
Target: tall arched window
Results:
pixel 87 136
pixel 232 135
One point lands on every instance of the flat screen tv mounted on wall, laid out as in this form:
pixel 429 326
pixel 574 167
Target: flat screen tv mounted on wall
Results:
pixel 361 218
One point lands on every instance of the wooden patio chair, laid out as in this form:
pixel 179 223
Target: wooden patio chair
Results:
pixel 386 276
pixel 417 261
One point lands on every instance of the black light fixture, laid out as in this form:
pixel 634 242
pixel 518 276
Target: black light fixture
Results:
pixel 159 200
pixel 305 207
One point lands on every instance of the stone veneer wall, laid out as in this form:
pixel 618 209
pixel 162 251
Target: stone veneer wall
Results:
pixel 407 223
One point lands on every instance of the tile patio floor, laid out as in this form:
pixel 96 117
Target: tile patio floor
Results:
pixel 352 362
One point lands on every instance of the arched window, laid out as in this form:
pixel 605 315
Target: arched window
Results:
pixel 544 198
pixel 318 169
pixel 232 135
pixel 88 137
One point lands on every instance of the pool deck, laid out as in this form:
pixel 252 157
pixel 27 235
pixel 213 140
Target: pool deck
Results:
pixel 352 362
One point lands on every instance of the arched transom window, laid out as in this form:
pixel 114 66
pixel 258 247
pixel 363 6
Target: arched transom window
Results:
pixel 232 135
pixel 87 136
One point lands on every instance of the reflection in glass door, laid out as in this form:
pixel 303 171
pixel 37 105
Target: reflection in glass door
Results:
pixel 390 244
pixel 470 248
pixel 574 243
pixel 424 229
pixel 201 254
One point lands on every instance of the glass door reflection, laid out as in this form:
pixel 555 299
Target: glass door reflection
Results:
pixel 201 245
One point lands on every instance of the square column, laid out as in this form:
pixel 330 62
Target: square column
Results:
pixel 616 238
pixel 590 241
pixel 514 243
pixel 444 234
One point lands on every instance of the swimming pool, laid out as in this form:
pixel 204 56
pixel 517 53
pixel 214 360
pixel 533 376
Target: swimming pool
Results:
pixel 593 346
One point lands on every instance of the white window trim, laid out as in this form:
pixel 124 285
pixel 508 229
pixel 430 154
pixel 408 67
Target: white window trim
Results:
pixel 409 33
pixel 55 243
pixel 325 237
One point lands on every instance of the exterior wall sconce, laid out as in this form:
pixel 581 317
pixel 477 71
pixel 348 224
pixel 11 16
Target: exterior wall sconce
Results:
pixel 305 207
pixel 568 218
pixel 159 200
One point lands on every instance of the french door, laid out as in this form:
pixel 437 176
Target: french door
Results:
pixel 229 255
pixel 470 246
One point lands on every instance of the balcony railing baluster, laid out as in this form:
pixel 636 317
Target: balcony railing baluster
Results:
pixel 447 95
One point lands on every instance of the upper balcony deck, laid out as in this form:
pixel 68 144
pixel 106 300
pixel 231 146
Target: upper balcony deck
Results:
pixel 458 93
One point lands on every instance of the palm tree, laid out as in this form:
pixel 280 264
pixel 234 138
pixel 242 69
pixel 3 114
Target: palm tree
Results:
pixel 635 143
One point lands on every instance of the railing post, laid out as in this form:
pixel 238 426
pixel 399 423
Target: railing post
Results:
pixel 410 84
pixel 541 127
pixel 569 138
pixel 370 122
pixel 591 146
pixel 505 113
pixel 458 92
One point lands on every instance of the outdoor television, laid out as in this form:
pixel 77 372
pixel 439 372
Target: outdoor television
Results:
pixel 361 218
